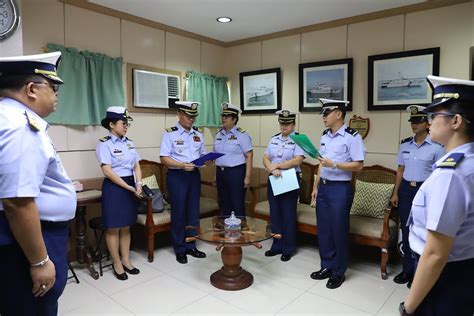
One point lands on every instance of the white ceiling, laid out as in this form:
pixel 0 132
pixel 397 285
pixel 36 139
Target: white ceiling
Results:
pixel 250 17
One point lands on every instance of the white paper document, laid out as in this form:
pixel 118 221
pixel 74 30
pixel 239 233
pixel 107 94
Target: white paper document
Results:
pixel 287 182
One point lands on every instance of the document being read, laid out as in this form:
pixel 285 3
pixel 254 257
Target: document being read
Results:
pixel 288 181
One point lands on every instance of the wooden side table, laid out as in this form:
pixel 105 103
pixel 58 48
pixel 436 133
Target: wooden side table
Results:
pixel 83 249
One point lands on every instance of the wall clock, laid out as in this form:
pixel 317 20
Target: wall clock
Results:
pixel 9 18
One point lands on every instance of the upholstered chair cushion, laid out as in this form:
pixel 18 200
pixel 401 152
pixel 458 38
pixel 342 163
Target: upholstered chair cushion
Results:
pixel 371 199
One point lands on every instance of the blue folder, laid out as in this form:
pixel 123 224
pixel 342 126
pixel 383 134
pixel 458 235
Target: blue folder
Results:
pixel 210 156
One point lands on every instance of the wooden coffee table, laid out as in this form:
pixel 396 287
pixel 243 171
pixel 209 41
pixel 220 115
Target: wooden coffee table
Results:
pixel 232 276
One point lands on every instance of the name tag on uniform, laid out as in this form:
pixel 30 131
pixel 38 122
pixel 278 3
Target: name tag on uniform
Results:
pixel 117 151
pixel 405 152
pixel 179 142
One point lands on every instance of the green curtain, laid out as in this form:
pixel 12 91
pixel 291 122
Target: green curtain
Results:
pixel 210 91
pixel 92 83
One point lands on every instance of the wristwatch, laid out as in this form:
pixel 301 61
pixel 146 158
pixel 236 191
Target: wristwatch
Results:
pixel 334 166
pixel 403 311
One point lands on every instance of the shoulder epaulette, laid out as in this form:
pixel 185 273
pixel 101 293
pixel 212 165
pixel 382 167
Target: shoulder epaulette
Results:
pixel 199 129
pixel 171 129
pixel 240 130
pixel 32 123
pixel 296 133
pixel 326 131
pixel 451 161
pixel 351 131
pixel 104 139
pixel 406 140
pixel 276 134
pixel 126 138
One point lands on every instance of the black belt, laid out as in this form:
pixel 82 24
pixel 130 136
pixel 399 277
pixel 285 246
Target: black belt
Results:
pixel 413 184
pixel 54 225
pixel 224 167
pixel 326 181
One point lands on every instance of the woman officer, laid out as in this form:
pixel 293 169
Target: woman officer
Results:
pixel 416 156
pixel 282 153
pixel 121 188
pixel 233 170
pixel 442 214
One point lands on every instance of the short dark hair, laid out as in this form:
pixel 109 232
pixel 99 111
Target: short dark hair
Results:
pixel 114 120
pixel 16 82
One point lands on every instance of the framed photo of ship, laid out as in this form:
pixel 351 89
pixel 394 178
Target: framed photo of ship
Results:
pixel 260 91
pixel 330 79
pixel 397 80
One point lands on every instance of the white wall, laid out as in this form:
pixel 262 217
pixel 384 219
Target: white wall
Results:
pixel 451 28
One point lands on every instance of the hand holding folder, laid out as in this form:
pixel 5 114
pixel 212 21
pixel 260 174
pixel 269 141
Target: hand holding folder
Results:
pixel 305 143
pixel 207 157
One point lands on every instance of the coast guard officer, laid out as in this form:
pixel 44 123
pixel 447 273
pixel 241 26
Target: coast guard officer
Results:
pixel 121 188
pixel 416 156
pixel 233 170
pixel 37 198
pixel 343 152
pixel 181 144
pixel 442 214
pixel 282 153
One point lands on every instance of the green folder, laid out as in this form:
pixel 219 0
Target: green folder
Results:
pixel 303 141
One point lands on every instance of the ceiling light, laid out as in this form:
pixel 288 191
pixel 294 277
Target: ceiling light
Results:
pixel 224 19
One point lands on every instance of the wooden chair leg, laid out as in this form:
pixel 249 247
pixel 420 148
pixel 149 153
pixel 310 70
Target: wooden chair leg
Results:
pixel 151 246
pixel 383 263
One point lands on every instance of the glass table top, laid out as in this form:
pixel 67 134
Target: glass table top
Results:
pixel 252 230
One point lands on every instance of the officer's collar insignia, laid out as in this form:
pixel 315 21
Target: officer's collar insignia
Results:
pixel 32 122
pixel 451 161
pixel 199 129
pixel 171 129
pixel 104 139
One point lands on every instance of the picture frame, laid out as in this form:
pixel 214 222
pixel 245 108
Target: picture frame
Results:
pixel 331 79
pixel 260 91
pixel 396 80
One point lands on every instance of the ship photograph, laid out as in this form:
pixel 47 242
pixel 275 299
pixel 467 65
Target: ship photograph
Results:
pixel 328 83
pixel 401 81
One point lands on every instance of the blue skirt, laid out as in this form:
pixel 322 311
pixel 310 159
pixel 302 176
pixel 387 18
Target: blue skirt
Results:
pixel 119 206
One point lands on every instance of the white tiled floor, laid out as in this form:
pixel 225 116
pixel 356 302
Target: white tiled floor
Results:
pixel 167 287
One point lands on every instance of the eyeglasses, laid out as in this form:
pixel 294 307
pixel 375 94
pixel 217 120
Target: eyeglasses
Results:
pixel 53 86
pixel 432 115
pixel 125 124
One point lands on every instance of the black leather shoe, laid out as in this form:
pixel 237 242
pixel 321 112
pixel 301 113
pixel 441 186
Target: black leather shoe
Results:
pixel 131 271
pixel 402 278
pixel 271 253
pixel 285 257
pixel 335 281
pixel 195 253
pixel 181 258
pixel 121 276
pixel 321 274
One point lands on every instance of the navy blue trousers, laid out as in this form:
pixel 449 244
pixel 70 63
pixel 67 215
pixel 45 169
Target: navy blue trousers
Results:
pixel 283 219
pixel 333 204
pixel 230 189
pixel 406 194
pixel 184 190
pixel 453 292
pixel 16 297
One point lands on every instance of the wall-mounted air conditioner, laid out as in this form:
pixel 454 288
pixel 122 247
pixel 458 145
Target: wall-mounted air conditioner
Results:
pixel 155 90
